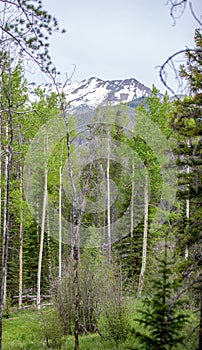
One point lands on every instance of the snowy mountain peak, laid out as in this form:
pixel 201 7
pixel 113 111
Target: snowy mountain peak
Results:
pixel 89 93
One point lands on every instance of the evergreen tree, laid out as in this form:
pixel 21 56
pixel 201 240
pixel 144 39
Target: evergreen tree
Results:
pixel 187 124
pixel 26 28
pixel 161 315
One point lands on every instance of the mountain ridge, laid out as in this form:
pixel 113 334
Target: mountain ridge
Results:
pixel 91 92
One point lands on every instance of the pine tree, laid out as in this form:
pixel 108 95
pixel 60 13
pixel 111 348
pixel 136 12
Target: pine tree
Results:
pixel 162 321
pixel 26 28
pixel 187 124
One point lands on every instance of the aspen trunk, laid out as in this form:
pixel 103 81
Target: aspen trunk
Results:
pixel 7 221
pixel 5 215
pixel 60 226
pixel 75 243
pixel 77 220
pixel 132 202
pixel 48 244
pixel 21 244
pixel 187 216
pixel 108 199
pixel 144 249
pixel 187 204
pixel 43 219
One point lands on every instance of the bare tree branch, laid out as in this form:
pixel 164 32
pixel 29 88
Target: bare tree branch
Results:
pixel 194 15
pixel 169 61
pixel 176 5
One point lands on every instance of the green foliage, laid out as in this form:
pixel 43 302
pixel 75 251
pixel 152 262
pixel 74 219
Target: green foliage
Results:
pixel 29 26
pixel 113 325
pixel 7 308
pixel 187 127
pixel 128 255
pixel 22 331
pixel 113 314
pixel 162 317
pixel 26 330
pixel 103 287
pixel 129 249
pixel 157 109
pixel 192 71
pixel 52 328
pixel 27 118
pixel 63 299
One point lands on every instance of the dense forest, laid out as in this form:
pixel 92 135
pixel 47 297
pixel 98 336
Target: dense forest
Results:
pixel 100 215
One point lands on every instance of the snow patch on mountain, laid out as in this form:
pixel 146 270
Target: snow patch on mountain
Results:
pixel 92 92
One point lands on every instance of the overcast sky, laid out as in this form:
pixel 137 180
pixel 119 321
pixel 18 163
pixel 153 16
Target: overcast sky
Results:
pixel 117 39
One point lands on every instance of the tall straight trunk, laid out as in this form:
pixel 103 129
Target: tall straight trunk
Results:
pixel 5 217
pixel 108 198
pixel 144 249
pixel 200 324
pixel 60 226
pixel 77 225
pixel 77 220
pixel 0 180
pixel 60 220
pixel 7 222
pixel 9 156
pixel 21 243
pixel 187 203
pixel 187 215
pixel 75 243
pixel 48 244
pixel 43 219
pixel 105 203
pixel 76 287
pixel 132 202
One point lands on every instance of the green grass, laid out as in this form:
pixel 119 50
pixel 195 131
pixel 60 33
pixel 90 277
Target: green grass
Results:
pixel 24 331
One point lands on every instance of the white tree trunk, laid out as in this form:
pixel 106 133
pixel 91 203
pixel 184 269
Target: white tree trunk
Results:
pixel 132 202
pixel 21 243
pixel 60 226
pixel 6 223
pixel 5 215
pixel 38 299
pixel 187 206
pixel 144 249
pixel 108 198
pixel 187 216
pixel 48 243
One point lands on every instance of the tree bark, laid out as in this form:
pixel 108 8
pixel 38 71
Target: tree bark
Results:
pixel 200 325
pixel 0 178
pixel 21 244
pixel 132 202
pixel 7 221
pixel 108 199
pixel 187 205
pixel 144 249
pixel 5 217
pixel 60 226
pixel 75 244
pixel 38 298
pixel 77 224
pixel 48 243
